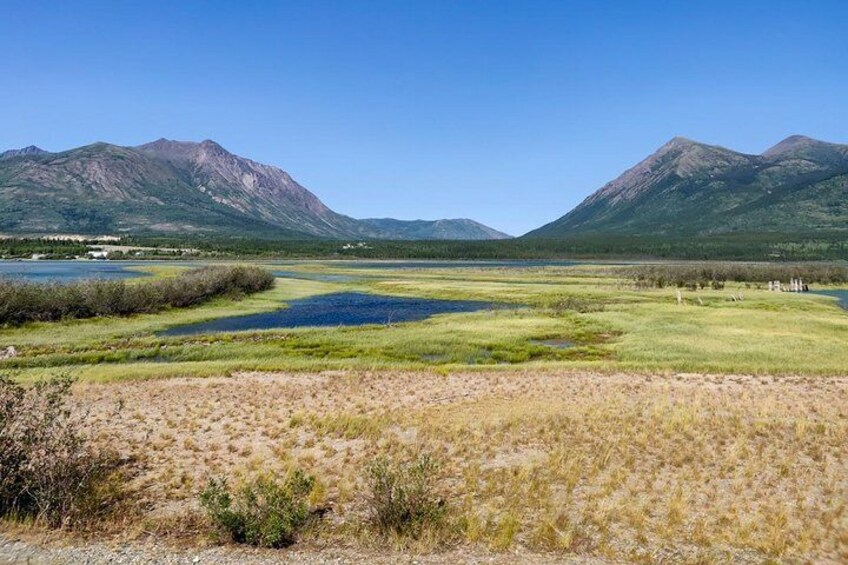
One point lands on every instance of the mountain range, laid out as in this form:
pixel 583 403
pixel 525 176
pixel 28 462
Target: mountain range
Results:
pixel 684 189
pixel 174 187
pixel 688 188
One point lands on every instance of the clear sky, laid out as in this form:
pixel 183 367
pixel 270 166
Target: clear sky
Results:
pixel 506 112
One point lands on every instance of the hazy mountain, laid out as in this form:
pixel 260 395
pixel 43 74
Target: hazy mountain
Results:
pixel 30 150
pixel 180 187
pixel 460 228
pixel 690 188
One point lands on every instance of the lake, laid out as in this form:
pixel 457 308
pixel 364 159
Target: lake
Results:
pixel 338 309
pixel 73 271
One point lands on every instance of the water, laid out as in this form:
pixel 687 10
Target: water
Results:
pixel 73 271
pixel 841 296
pixel 67 271
pixel 554 343
pixel 339 309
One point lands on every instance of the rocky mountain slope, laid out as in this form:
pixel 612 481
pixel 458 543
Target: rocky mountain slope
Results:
pixel 180 187
pixel 690 188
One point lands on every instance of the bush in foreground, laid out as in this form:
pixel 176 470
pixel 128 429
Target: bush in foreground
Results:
pixel 49 469
pixel 403 496
pixel 22 302
pixel 262 512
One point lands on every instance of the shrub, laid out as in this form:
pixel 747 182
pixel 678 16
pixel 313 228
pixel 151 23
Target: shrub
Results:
pixel 694 275
pixel 562 304
pixel 49 469
pixel 403 497
pixel 263 512
pixel 22 302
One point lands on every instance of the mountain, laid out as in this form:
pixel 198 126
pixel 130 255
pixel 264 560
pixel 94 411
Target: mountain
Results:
pixel 181 187
pixel 460 228
pixel 688 188
pixel 30 150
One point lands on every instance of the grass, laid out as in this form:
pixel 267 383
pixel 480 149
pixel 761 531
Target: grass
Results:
pixel 621 467
pixel 612 324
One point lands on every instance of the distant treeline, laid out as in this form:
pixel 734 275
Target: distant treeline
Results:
pixel 26 247
pixel 22 302
pixel 731 247
pixel 714 275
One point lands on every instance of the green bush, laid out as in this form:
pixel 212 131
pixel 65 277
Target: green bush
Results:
pixel 22 302
pixel 49 469
pixel 263 512
pixel 403 497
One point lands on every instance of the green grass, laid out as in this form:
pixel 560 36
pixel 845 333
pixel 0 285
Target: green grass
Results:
pixel 625 329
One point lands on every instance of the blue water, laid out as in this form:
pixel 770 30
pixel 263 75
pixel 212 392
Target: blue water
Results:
pixel 841 296
pixel 67 271
pixel 339 309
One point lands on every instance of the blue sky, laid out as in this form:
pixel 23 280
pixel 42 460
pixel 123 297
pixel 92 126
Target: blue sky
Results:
pixel 506 112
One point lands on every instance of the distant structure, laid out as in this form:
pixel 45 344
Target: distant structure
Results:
pixel 360 245
pixel 795 285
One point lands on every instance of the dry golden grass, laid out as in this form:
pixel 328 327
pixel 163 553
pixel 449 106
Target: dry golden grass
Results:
pixel 639 468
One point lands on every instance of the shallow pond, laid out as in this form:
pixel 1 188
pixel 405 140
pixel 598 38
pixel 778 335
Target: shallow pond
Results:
pixel 841 296
pixel 339 309
pixel 557 343
pixel 68 271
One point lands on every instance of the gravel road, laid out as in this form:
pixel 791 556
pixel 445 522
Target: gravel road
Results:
pixel 18 551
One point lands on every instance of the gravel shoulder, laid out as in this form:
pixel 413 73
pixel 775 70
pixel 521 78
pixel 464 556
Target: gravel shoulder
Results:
pixel 19 551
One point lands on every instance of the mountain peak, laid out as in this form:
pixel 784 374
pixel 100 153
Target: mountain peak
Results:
pixel 213 148
pixel 165 145
pixel 796 145
pixel 680 141
pixel 22 152
pixel 181 150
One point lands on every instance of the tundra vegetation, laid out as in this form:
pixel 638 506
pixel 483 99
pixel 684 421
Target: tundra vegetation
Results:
pixel 711 430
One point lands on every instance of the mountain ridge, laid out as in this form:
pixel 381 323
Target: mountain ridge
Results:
pixel 168 186
pixel 690 188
